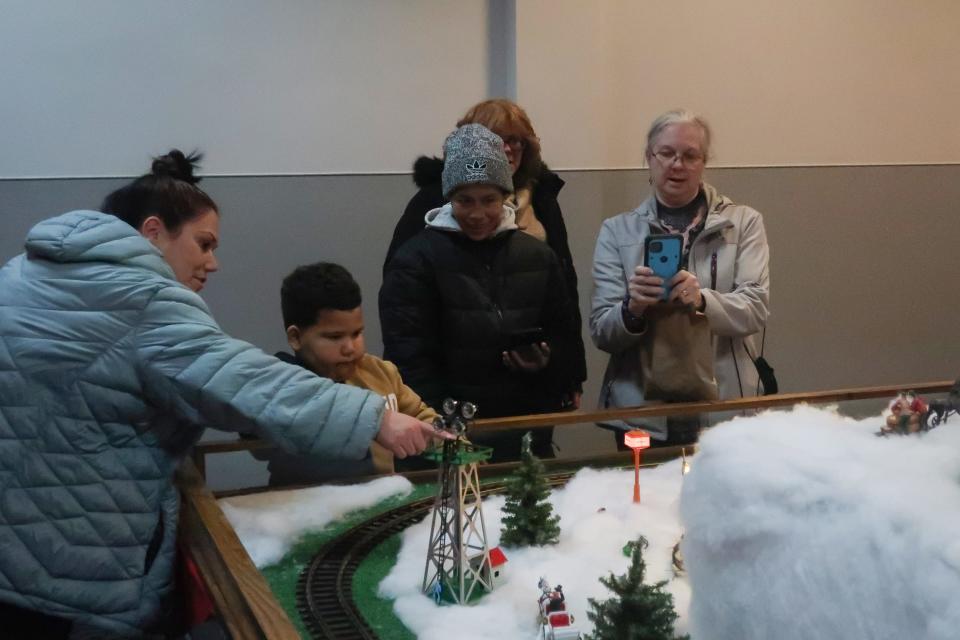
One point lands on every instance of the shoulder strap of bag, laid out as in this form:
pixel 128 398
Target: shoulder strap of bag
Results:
pixel 713 271
pixel 765 371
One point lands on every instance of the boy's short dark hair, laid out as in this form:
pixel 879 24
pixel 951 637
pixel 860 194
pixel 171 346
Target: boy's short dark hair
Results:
pixel 313 288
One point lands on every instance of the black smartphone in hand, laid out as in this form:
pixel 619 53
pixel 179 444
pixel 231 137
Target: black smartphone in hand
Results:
pixel 520 338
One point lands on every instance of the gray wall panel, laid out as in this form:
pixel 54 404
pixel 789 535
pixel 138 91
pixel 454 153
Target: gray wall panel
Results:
pixel 863 261
pixel 864 266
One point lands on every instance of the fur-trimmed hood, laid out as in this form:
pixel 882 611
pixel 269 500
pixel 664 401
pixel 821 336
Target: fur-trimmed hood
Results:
pixel 427 170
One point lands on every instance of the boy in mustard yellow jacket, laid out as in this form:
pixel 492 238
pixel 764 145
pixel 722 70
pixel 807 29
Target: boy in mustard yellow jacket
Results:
pixel 322 313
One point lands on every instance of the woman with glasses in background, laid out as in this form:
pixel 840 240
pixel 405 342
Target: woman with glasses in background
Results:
pixel 534 199
pixel 723 272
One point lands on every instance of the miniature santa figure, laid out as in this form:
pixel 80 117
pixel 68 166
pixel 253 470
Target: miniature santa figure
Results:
pixel 906 413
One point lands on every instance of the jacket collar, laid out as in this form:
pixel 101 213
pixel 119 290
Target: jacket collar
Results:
pixel 549 183
pixel 716 203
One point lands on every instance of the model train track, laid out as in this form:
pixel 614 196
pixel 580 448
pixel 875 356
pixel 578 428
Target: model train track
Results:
pixel 325 588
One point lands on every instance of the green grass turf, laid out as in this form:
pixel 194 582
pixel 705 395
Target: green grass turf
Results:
pixel 378 611
pixel 374 608
pixel 282 576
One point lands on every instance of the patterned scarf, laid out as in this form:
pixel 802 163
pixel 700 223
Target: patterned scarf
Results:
pixel 686 221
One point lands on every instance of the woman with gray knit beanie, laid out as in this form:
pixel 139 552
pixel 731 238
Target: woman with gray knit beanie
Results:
pixel 457 295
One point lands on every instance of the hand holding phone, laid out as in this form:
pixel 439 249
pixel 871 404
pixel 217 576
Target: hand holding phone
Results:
pixel 530 358
pixel 525 337
pixel 526 350
pixel 661 252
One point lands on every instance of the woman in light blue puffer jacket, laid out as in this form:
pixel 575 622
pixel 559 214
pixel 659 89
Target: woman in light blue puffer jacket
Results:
pixel 110 368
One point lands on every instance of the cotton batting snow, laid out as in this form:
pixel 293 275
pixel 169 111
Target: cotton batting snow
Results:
pixel 804 525
pixel 268 524
pixel 799 525
pixel 597 518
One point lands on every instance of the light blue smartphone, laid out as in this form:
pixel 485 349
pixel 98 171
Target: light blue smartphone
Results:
pixel 661 252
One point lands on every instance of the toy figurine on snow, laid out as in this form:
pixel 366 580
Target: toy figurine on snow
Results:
pixel 555 622
pixel 908 413
pixel 551 599
pixel 940 410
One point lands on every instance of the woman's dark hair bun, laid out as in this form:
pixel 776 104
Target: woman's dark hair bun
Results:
pixel 178 166
pixel 169 191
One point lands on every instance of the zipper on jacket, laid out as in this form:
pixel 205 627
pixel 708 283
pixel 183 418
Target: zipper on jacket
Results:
pixel 494 282
pixel 703 239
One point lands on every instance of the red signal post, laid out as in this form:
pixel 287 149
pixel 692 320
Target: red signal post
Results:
pixel 638 441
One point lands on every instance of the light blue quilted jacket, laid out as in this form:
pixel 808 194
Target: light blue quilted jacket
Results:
pixel 109 371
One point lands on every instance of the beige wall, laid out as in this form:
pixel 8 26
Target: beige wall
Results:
pixel 363 86
pixel 817 82
pixel 95 88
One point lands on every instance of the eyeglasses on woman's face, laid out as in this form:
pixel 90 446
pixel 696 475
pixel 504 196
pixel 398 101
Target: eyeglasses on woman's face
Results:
pixel 668 155
pixel 514 142
pixel 514 146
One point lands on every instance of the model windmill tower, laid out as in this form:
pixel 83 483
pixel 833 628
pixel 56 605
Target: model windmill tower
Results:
pixel 458 565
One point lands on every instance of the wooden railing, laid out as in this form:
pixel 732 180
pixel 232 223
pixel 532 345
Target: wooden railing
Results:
pixel 202 450
pixel 241 594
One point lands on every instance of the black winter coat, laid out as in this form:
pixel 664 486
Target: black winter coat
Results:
pixel 427 174
pixel 448 304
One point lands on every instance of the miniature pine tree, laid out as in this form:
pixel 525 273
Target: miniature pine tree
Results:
pixel 529 518
pixel 637 611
